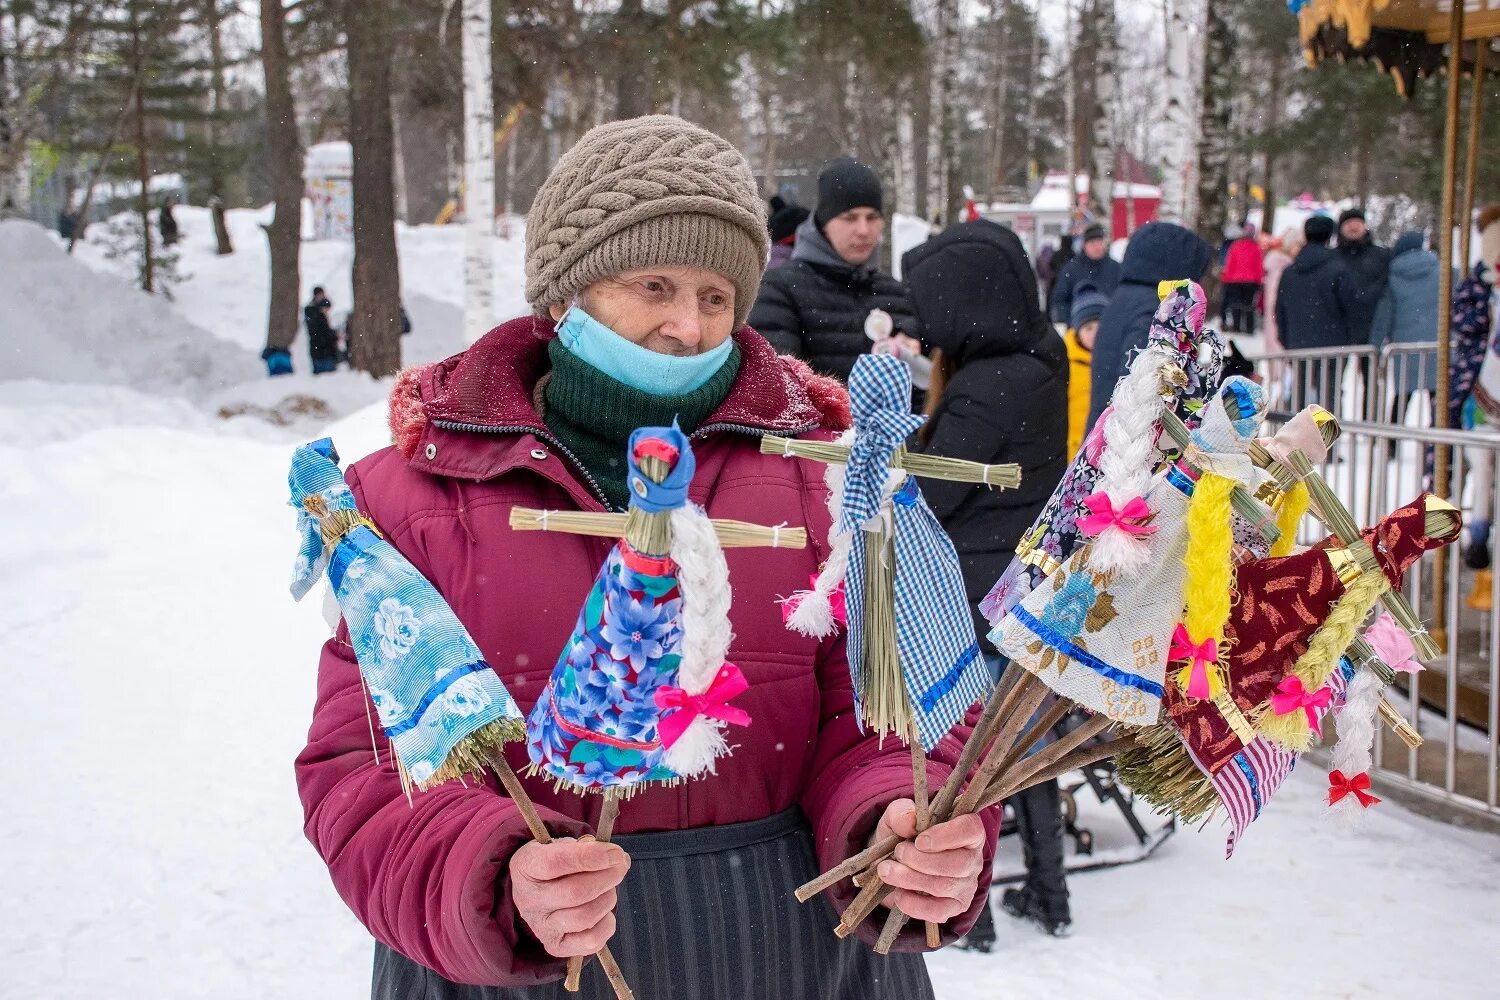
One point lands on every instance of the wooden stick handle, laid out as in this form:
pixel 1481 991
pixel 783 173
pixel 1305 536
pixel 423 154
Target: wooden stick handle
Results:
pixel 852 865
pixel 603 831
pixel 924 819
pixel 1023 774
pixel 1070 762
pixel 879 851
pixel 519 796
pixel 1001 698
pixel 1026 702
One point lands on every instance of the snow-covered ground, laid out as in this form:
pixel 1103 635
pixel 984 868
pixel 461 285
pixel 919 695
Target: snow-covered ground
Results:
pixel 162 680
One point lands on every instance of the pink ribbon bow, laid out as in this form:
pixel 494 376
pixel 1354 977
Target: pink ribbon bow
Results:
pixel 714 703
pixel 1291 695
pixel 1358 786
pixel 1392 645
pixel 1131 518
pixel 1200 656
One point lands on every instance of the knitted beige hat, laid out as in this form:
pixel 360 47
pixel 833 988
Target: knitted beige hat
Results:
pixel 645 192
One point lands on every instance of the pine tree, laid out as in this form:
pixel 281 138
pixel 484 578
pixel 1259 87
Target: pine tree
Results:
pixel 138 89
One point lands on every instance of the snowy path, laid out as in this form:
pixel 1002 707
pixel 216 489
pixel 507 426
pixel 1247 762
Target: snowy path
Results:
pixel 154 848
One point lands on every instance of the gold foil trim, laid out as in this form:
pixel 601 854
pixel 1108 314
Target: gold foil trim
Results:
pixel 1269 493
pixel 1344 564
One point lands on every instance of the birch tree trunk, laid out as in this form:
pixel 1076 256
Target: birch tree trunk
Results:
pixel 1177 128
pixel 284 159
pixel 375 322
pixel 479 171
pixel 1070 110
pixel 906 161
pixel 940 132
pixel 1213 143
pixel 1102 167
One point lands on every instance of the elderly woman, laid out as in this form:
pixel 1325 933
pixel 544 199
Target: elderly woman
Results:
pixel 645 248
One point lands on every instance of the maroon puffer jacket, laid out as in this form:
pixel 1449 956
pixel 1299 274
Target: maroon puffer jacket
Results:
pixel 426 875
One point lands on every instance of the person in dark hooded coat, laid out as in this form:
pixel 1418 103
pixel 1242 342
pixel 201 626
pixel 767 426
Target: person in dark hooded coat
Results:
pixel 1005 395
pixel 999 393
pixel 1159 251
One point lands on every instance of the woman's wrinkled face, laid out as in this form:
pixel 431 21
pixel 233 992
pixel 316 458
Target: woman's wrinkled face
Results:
pixel 679 311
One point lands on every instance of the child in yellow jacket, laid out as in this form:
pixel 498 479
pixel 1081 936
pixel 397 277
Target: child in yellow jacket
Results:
pixel 1083 325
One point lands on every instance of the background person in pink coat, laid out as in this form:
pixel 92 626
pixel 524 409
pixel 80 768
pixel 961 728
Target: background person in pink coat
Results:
pixel 1242 277
pixel 652 233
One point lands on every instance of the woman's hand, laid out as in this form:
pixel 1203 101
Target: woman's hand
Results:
pixel 934 874
pixel 565 891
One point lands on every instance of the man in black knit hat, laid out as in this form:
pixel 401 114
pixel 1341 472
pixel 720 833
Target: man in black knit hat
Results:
pixel 1094 266
pixel 1369 266
pixel 814 307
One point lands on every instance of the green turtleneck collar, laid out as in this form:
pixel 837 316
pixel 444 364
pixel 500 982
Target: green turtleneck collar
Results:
pixel 593 414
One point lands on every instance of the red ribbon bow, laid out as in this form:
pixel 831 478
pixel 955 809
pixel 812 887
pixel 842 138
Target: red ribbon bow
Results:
pixel 1358 786
pixel 1291 695
pixel 714 703
pixel 1130 518
pixel 1201 655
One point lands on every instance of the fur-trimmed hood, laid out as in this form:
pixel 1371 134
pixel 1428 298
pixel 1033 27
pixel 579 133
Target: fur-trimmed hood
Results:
pixel 490 389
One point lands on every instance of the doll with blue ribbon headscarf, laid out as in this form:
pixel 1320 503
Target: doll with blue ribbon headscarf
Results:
pixel 913 656
pixel 642 690
pixel 444 710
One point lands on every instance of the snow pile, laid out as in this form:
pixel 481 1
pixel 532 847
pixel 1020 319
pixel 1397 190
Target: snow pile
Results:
pixel 65 322
pixel 228 296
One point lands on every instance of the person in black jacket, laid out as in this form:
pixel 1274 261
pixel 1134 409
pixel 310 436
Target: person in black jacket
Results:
pixel 1318 297
pixel 1000 395
pixel 1159 251
pixel 322 339
pixel 814 306
pixel 1369 266
pixel 1092 267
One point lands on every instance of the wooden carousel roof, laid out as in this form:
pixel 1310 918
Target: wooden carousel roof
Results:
pixel 1405 38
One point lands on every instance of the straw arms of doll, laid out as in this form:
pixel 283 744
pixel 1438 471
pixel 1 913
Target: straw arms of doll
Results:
pixel 1244 504
pixel 1004 477
pixel 732 534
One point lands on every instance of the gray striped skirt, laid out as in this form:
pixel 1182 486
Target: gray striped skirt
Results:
pixel 709 913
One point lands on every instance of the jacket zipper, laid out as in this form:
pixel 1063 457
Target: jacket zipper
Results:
pixel 589 480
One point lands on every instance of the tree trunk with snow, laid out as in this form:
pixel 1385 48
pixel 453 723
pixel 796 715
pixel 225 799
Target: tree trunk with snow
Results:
pixel 284 159
pixel 1102 162
pixel 375 322
pixel 1213 142
pixel 479 171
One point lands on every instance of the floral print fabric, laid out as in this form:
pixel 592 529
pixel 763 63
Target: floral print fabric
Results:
pixel 595 726
pixel 430 684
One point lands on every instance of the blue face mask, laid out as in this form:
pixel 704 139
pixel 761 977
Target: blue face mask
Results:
pixel 638 367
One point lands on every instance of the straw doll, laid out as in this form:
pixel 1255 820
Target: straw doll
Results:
pixel 1102 636
pixel 642 692
pixel 914 660
pixel 1293 618
pixel 1182 362
pixel 443 710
